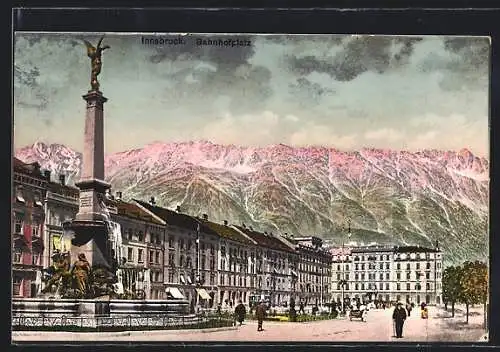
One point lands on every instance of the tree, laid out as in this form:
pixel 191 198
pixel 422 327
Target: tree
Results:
pixel 452 286
pixel 474 285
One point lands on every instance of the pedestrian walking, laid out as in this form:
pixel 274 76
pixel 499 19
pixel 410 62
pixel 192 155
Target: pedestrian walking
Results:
pixel 408 308
pixel 399 317
pixel 260 314
pixel 240 312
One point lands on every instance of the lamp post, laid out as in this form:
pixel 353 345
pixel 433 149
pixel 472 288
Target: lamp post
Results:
pixel 343 281
pixel 198 276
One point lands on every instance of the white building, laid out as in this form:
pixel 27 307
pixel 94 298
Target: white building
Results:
pixel 400 273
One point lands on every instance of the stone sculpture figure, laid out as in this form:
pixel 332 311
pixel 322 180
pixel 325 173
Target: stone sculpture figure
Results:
pixel 95 55
pixel 58 274
pixel 81 271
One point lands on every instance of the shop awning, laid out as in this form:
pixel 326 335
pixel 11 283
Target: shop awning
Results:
pixel 174 291
pixel 182 279
pixel 294 273
pixel 203 293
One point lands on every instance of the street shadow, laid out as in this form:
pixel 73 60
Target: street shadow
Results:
pixel 462 325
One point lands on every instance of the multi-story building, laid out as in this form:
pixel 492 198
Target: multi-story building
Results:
pixel 314 269
pixel 61 205
pixel 275 266
pixel 401 273
pixel 190 256
pixel 236 272
pixel 28 217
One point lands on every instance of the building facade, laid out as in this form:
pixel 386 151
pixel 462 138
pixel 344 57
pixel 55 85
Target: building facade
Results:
pixel 28 218
pixel 314 270
pixel 61 205
pixel 275 267
pixel 143 237
pixel 190 257
pixel 407 273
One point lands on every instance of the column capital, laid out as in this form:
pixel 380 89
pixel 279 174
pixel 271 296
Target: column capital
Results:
pixel 94 96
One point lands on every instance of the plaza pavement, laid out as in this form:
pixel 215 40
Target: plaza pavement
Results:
pixel 379 328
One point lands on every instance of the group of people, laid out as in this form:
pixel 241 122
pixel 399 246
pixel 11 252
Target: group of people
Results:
pixel 240 312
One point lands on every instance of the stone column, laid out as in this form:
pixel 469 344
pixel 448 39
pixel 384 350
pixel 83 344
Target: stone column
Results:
pixel 89 226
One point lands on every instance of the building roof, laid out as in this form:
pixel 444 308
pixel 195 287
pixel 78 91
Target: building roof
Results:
pixel 64 190
pixel 32 169
pixel 265 240
pixel 372 249
pixel 227 232
pixel 132 210
pixel 414 249
pixel 176 219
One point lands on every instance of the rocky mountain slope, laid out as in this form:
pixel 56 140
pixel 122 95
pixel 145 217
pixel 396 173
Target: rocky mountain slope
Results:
pixel 390 196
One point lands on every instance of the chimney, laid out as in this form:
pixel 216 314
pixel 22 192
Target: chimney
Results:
pixel 178 209
pixel 46 173
pixel 62 179
pixel 225 222
pixel 118 195
pixel 152 201
pixel 243 225
pixel 205 216
pixel 286 234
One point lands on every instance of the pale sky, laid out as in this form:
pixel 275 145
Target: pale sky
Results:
pixel 346 92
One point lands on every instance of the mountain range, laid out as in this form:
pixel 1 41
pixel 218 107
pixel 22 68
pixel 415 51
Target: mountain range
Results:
pixel 387 196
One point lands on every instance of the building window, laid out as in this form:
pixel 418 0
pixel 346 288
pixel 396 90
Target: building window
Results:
pixel 140 236
pixel 398 276
pixel 427 276
pixel 408 266
pixel 16 286
pixel 381 286
pixel 140 255
pixel 347 267
pixel 171 240
pixel 417 287
pixel 356 286
pixel 157 257
pixel 17 256
pixel 18 225
pixel 387 286
pixel 427 286
pixel 387 276
pixel 439 265
pixel 362 286
pixel 129 234
pixel 19 195
pixel 362 266
pixel 407 287
pixel 170 276
pixel 171 259
pixel 157 276
pixel 35 259
pixel 151 256
pixel 35 228
pixel 398 286
pixel 418 266
pixel 398 266
pixel 130 254
pixel 387 265
pixel 407 276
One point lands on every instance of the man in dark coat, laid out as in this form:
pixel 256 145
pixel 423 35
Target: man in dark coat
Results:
pixel 260 314
pixel 399 317
pixel 240 312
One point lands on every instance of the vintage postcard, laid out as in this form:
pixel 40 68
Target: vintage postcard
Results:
pixel 227 187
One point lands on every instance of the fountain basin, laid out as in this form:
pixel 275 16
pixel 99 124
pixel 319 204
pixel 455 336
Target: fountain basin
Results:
pixel 47 307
